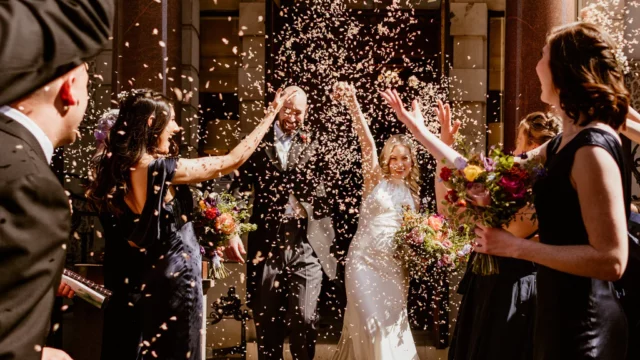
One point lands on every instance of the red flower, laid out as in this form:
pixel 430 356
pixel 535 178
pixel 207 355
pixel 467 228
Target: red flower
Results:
pixel 305 138
pixel 461 203
pixel 445 174
pixel 451 196
pixel 211 213
pixel 513 182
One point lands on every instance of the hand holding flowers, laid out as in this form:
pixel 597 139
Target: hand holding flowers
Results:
pixel 221 220
pixel 489 191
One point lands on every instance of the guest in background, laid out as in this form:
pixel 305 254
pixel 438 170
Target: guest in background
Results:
pixel 43 77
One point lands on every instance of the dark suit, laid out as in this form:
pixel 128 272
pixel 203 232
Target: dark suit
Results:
pixel 40 40
pixel 34 227
pixel 284 272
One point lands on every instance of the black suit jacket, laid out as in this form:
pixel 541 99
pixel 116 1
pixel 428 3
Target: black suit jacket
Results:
pixel 271 184
pixel 41 40
pixel 34 227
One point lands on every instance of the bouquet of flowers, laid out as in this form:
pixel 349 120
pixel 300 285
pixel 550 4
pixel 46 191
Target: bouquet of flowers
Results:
pixel 490 190
pixel 218 218
pixel 426 242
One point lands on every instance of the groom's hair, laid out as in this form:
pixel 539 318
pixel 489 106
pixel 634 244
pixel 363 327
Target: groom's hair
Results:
pixel 299 91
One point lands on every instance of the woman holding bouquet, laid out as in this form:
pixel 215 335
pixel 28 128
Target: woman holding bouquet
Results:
pixel 156 310
pixel 580 202
pixel 496 316
pixel 376 324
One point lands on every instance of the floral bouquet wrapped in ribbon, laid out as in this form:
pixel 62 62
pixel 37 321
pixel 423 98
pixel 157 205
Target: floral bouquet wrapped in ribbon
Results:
pixel 218 218
pixel 491 190
pixel 427 242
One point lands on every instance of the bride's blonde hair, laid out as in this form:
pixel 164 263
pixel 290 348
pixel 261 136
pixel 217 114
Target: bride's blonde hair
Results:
pixel 413 179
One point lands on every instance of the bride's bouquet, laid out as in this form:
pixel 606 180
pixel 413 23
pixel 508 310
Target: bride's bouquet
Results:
pixel 218 218
pixel 491 190
pixel 427 242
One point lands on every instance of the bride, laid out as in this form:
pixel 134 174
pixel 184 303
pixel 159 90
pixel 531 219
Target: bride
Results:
pixel 376 324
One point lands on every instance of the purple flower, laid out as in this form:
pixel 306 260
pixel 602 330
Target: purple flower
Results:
pixel 460 163
pixel 210 201
pixel 489 164
pixel 202 252
pixel 104 125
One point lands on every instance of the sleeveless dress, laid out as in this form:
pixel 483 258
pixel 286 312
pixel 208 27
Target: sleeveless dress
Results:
pixel 162 289
pixel 576 317
pixel 376 324
pixel 496 315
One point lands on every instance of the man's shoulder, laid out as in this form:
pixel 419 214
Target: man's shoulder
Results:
pixel 19 159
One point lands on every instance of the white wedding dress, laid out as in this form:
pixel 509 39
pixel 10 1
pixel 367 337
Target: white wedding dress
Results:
pixel 376 324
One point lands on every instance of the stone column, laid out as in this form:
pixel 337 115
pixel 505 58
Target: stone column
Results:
pixel 251 86
pixel 190 77
pixel 147 45
pixel 527 25
pixel 469 26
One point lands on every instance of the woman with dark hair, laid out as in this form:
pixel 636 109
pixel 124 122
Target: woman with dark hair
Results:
pixel 496 315
pixel 580 202
pixel 152 257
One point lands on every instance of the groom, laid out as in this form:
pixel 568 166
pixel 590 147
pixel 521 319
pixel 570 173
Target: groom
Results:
pixel 290 249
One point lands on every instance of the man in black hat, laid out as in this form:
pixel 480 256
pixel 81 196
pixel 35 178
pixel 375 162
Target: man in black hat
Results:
pixel 43 97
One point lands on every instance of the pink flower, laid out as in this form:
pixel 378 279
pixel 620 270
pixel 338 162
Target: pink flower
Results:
pixel 435 222
pixel 446 259
pixel 225 224
pixel 447 244
pixel 415 237
pixel 479 194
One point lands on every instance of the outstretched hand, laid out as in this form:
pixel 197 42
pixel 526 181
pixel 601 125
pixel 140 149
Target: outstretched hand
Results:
pixel 413 118
pixel 448 131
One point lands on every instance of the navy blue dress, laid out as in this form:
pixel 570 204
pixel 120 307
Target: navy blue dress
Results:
pixel 156 309
pixel 576 317
pixel 496 315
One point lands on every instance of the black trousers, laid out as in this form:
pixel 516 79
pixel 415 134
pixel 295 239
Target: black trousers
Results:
pixel 287 296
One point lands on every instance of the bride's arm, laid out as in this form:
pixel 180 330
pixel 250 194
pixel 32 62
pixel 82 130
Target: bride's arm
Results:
pixel 191 171
pixel 372 173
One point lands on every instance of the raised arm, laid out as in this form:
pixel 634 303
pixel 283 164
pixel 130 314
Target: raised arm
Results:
pixel 414 120
pixel 372 173
pixel 207 168
pixel 40 40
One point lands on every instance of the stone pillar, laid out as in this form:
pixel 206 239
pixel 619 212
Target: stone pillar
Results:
pixel 469 26
pixel 147 39
pixel 190 77
pixel 251 86
pixel 527 25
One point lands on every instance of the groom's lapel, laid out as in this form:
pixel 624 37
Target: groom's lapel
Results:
pixel 270 149
pixel 300 143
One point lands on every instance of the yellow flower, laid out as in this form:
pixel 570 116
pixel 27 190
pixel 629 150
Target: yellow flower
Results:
pixel 471 172
pixel 202 205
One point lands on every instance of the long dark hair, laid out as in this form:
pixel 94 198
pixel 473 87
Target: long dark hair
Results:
pixel 590 81
pixel 129 139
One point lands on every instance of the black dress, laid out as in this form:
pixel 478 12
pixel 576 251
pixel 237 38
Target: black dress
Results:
pixel 576 317
pixel 157 288
pixel 496 315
